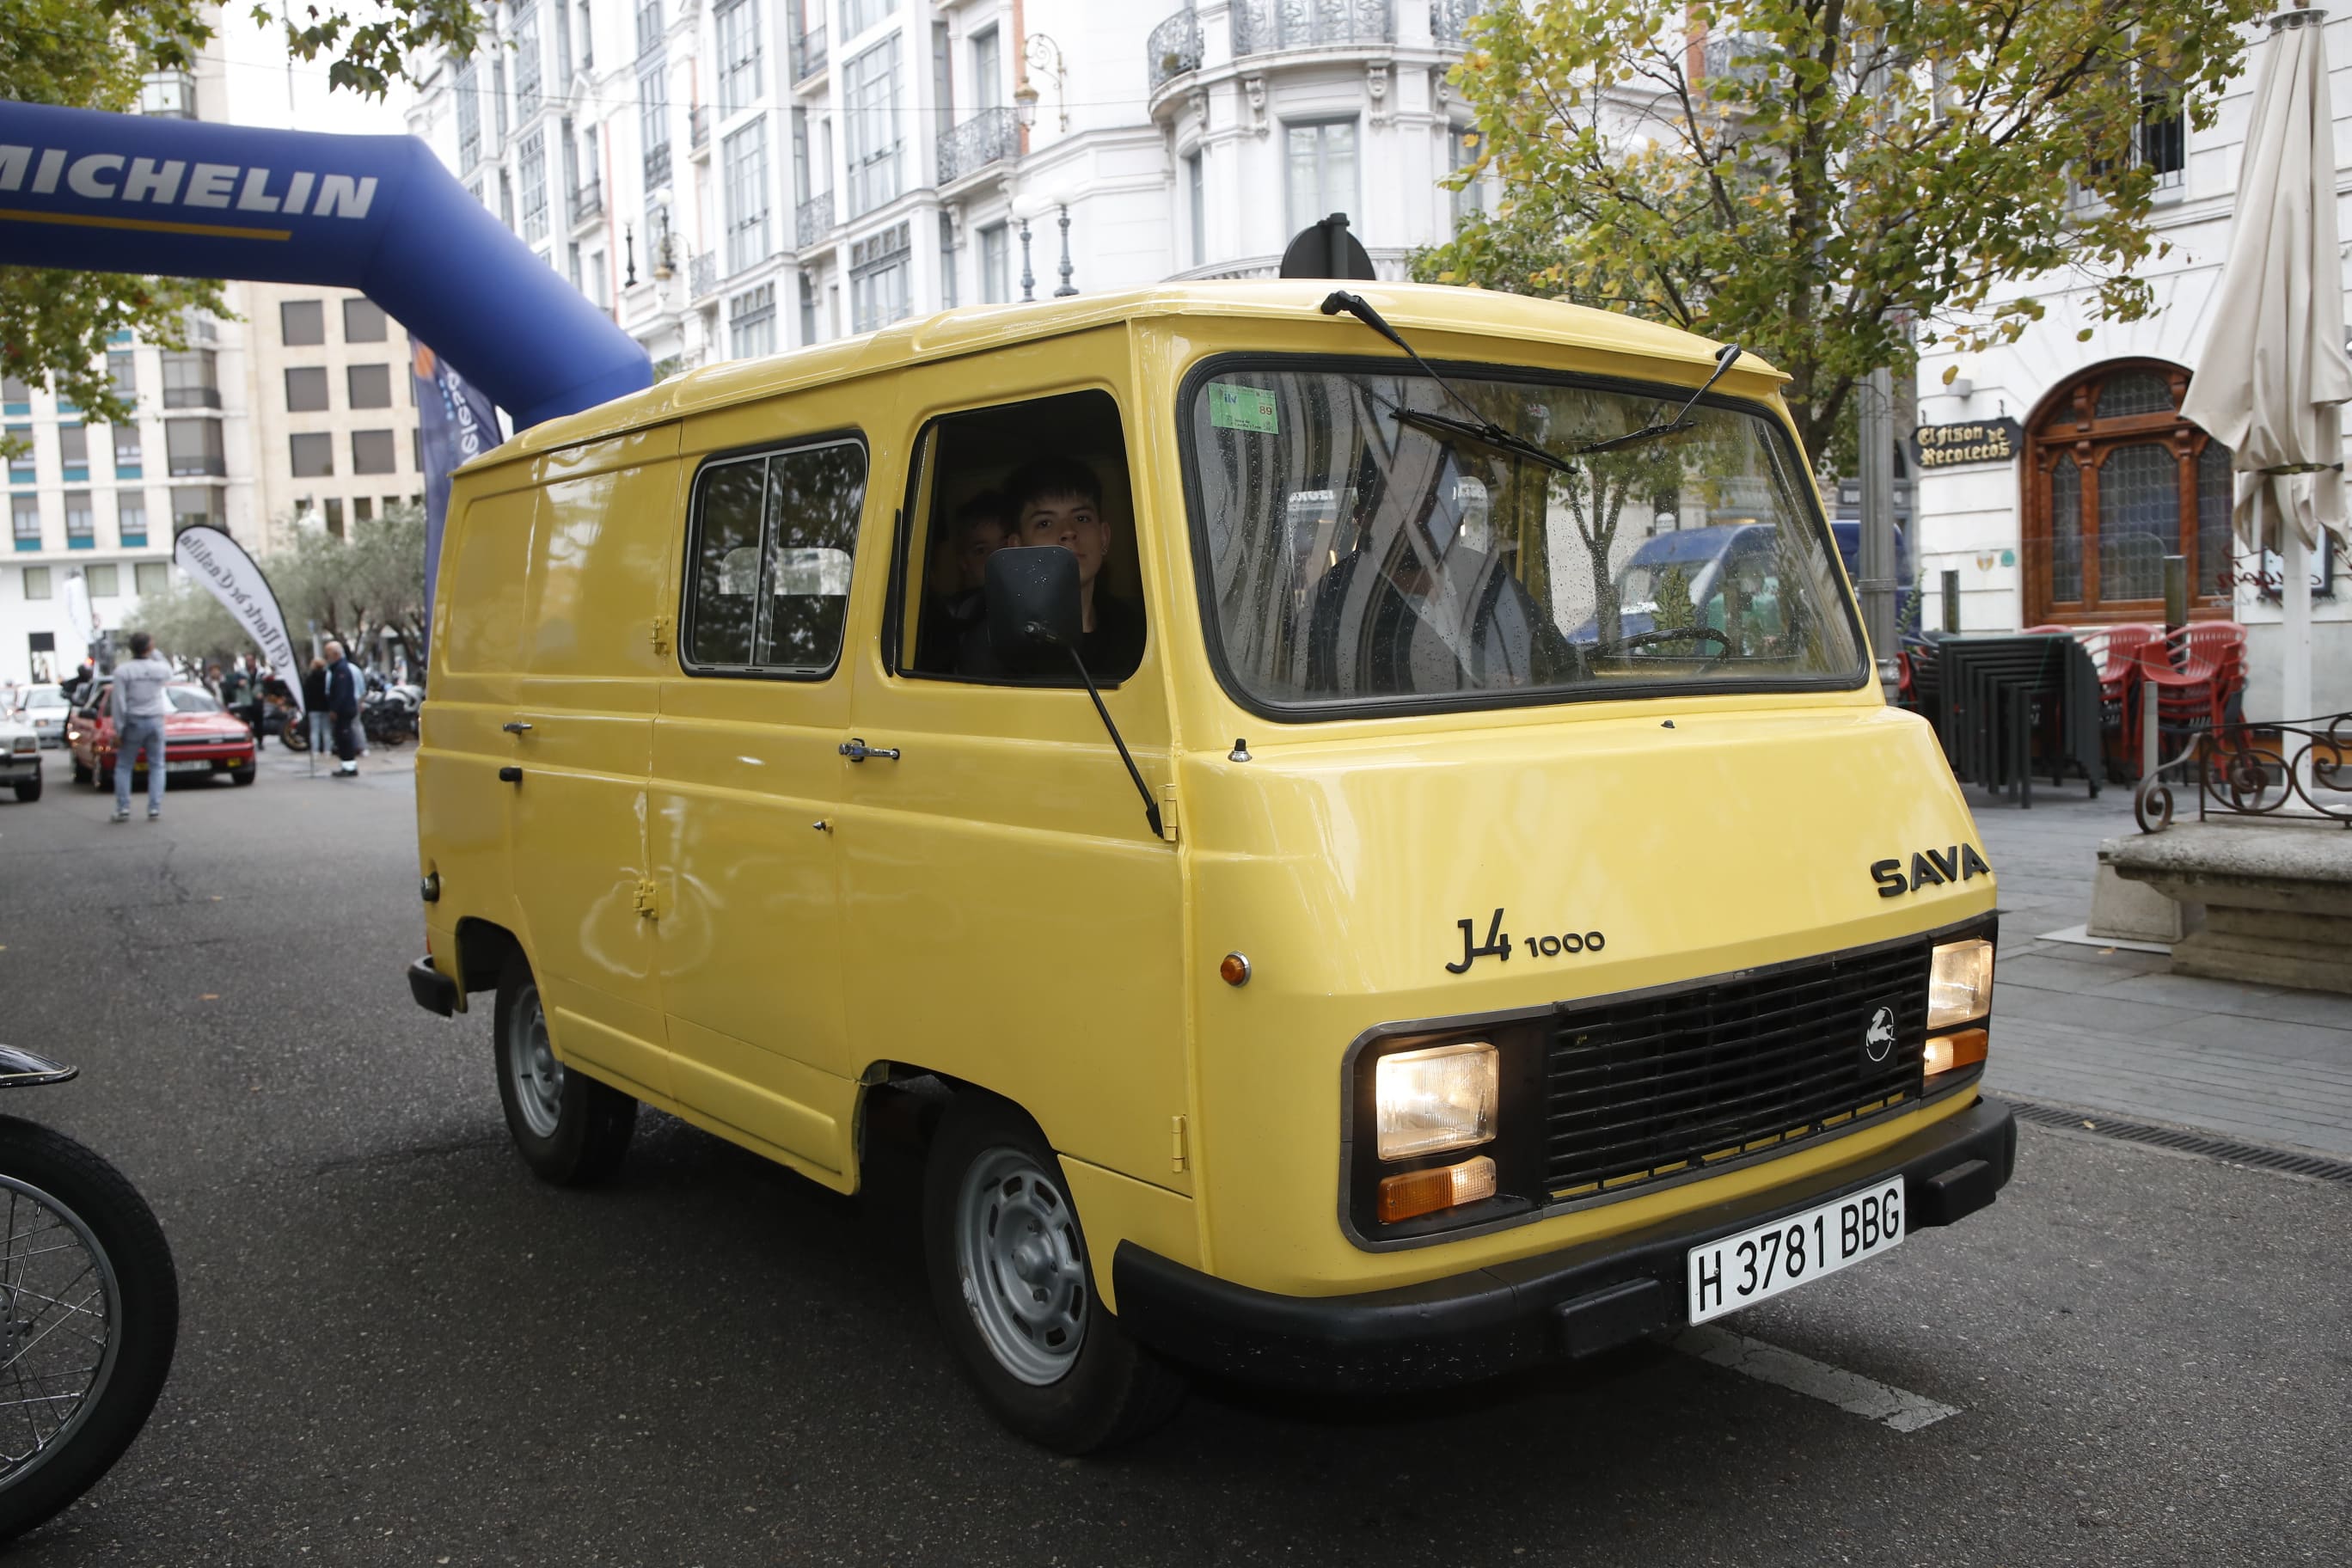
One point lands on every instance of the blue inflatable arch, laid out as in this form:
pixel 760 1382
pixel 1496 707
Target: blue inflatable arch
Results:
pixel 122 193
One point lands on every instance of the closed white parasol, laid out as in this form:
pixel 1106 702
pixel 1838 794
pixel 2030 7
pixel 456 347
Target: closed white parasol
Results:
pixel 2273 369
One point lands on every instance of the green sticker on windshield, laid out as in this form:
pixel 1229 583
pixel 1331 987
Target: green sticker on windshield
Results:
pixel 1232 407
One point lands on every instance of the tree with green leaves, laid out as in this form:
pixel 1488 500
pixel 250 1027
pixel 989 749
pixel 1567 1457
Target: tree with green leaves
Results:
pixel 351 588
pixel 55 325
pixel 1832 183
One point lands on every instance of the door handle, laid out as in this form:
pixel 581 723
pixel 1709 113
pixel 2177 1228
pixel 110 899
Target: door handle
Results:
pixel 510 775
pixel 857 751
pixel 515 727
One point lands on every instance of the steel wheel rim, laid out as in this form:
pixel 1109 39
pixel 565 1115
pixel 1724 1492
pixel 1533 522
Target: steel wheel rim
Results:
pixel 1023 1266
pixel 531 1062
pixel 60 1305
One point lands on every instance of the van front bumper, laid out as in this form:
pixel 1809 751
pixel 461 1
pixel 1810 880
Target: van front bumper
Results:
pixel 1558 1305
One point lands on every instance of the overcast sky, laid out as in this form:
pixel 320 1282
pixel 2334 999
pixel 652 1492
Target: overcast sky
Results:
pixel 262 90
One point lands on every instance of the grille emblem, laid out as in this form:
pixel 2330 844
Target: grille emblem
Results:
pixel 1878 1040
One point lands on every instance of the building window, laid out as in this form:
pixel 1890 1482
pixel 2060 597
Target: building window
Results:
pixel 996 264
pixel 128 457
pixel 370 386
pixel 306 388
pixel 73 453
pixel 1196 199
pixel 37 583
pixel 16 397
pixel 151 578
pixel 192 379
pixel 751 322
pixel 744 159
pixel 194 447
pixel 808 310
pixel 130 518
pixel 302 324
pixel 335 516
pixel 856 16
pixel 1322 170
pixel 650 27
pixel 363 508
pixel 21 469
pixel 739 56
pixel 27 515
pixel 373 452
pixel 532 161
pixel 469 120
pixel 311 453
pixel 587 36
pixel 498 102
pixel 364 322
pixel 2115 481
pixel 987 70
pixel 122 369
pixel 947 262
pixel 81 524
pixel 1461 151
pixel 653 118
pixel 869 93
pixel 195 504
pixel 879 279
pixel 526 68
pixel 105 582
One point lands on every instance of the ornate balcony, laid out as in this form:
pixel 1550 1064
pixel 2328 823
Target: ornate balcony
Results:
pixel 702 275
pixel 1174 48
pixel 813 220
pixel 587 203
pixel 656 167
pixel 1448 19
pixel 809 54
pixel 1261 26
pixel 986 137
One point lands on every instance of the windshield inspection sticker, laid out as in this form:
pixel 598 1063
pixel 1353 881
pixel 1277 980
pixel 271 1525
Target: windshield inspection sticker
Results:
pixel 1234 407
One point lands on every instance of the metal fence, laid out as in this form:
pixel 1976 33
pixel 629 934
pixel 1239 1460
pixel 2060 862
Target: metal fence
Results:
pixel 1261 26
pixel 813 220
pixel 991 135
pixel 1175 48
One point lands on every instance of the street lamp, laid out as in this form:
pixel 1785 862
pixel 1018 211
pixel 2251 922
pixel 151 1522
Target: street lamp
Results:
pixel 1044 55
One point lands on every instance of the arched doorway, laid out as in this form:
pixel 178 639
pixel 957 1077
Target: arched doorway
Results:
pixel 2115 481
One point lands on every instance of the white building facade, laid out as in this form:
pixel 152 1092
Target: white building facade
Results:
pixel 733 178
pixel 2107 478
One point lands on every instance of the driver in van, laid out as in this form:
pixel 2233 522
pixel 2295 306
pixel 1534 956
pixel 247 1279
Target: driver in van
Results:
pixel 1058 500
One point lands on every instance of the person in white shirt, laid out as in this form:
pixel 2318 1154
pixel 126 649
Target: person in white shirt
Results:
pixel 140 705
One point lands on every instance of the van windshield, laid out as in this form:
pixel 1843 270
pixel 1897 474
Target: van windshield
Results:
pixel 1353 557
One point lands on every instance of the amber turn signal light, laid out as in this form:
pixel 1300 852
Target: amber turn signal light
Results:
pixel 1426 1192
pixel 1946 1052
pixel 1235 970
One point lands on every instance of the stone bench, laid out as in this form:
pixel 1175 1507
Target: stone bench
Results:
pixel 2277 899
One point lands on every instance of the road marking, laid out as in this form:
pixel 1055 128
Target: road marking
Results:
pixel 1850 1390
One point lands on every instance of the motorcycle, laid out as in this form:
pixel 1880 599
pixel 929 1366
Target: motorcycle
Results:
pixel 388 715
pixel 89 1311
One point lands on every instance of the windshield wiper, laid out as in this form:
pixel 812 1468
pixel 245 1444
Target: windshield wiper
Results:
pixel 1682 421
pixel 1478 427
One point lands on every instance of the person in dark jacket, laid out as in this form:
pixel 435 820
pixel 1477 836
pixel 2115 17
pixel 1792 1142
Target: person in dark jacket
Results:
pixel 343 702
pixel 314 705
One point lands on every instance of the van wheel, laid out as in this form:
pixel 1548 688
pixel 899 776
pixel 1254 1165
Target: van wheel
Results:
pixel 1013 1287
pixel 570 1129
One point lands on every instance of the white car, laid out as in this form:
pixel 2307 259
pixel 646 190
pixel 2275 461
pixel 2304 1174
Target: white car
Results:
pixel 20 758
pixel 45 708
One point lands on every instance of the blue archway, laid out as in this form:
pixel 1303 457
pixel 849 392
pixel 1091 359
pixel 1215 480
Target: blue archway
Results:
pixel 123 193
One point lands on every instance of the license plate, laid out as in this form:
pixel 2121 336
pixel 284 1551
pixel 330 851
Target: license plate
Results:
pixel 195 767
pixel 1755 1265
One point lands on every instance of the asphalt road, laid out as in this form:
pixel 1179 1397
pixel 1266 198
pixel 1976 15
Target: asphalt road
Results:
pixel 400 1349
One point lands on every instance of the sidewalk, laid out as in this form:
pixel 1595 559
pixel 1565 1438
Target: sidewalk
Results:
pixel 2107 1029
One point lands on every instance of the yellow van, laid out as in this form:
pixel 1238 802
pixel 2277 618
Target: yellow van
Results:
pixel 1364 930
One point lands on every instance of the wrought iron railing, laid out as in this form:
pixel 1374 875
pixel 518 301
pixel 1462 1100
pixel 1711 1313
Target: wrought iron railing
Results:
pixel 1449 19
pixel 698 128
pixel 2298 770
pixel 1263 26
pixel 657 166
pixel 991 135
pixel 702 275
pixel 1736 56
pixel 1175 48
pixel 813 219
pixel 588 201
pixel 809 54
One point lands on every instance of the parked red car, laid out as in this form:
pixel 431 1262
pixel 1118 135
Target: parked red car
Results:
pixel 200 739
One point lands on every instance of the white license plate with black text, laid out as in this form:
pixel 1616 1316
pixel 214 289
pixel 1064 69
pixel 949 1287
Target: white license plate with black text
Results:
pixel 196 767
pixel 1740 1271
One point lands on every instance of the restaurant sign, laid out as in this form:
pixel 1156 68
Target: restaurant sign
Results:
pixel 1976 441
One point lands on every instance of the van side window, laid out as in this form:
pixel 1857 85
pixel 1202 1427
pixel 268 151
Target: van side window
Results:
pixel 772 541
pixel 1049 472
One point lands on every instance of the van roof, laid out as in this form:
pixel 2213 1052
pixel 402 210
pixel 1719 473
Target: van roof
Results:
pixel 971 328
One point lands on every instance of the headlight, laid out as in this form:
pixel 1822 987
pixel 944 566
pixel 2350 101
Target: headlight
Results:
pixel 1442 1097
pixel 1960 983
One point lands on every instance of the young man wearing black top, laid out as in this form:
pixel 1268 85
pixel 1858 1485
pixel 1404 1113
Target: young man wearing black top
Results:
pixel 1058 500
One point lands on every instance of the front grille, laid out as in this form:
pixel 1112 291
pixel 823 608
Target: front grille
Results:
pixel 1645 1086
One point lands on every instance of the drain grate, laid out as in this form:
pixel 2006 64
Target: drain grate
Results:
pixel 2224 1149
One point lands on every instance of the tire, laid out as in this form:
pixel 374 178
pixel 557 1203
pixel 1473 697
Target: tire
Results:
pixel 243 775
pixel 1020 1310
pixel 80 774
pixel 570 1129
pixel 28 793
pixel 110 1232
pixel 294 737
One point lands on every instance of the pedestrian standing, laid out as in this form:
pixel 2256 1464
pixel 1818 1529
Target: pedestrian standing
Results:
pixel 141 704
pixel 343 702
pixel 314 705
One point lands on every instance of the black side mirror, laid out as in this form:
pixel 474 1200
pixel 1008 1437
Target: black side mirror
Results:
pixel 1034 616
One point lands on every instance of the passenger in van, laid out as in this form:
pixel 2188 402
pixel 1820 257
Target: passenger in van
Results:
pixel 982 526
pixel 1058 500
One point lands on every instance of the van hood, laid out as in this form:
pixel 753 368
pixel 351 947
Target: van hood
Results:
pixel 1669 846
